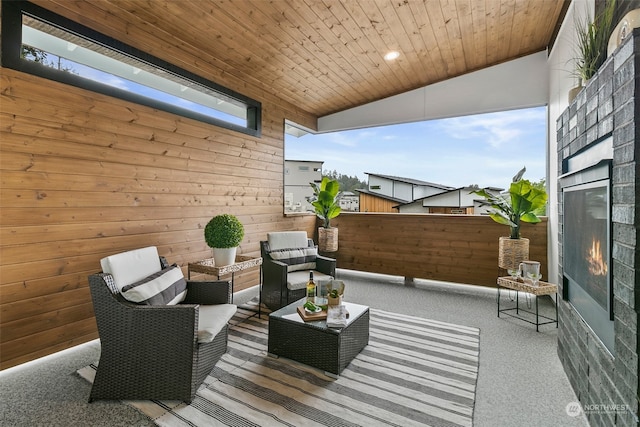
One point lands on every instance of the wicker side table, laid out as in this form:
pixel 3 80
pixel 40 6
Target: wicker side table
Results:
pixel 208 266
pixel 543 288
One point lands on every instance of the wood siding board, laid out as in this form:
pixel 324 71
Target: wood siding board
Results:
pixel 45 351
pixel 58 182
pixel 31 323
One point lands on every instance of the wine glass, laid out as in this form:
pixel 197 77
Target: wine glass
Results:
pixel 535 278
pixel 514 273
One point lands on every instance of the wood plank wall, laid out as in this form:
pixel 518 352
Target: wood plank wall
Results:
pixel 451 248
pixel 85 175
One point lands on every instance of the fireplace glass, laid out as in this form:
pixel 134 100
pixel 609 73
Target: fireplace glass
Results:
pixel 587 254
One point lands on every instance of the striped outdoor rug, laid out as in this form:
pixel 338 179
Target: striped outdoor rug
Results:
pixel 414 372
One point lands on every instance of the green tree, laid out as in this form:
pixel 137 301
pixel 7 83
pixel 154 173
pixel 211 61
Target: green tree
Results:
pixel 347 183
pixel 33 54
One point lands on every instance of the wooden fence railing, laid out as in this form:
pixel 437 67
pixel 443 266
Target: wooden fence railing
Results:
pixel 452 248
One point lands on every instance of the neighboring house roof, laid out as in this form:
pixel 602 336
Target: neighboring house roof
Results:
pixel 493 189
pixel 383 196
pixel 304 161
pixel 348 193
pixel 410 181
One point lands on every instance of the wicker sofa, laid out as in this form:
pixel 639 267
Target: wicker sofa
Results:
pixel 155 350
pixel 287 259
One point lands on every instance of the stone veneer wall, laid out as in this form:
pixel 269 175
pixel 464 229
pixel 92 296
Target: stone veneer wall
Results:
pixel 609 105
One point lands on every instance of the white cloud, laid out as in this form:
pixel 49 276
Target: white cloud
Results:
pixel 495 129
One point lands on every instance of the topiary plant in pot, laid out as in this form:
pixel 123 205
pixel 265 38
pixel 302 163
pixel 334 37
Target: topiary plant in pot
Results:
pixel 524 200
pixel 223 233
pixel 326 203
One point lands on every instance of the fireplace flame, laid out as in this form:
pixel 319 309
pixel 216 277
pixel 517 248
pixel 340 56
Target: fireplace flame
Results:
pixel 597 266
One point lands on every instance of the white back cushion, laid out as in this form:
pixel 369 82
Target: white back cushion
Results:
pixel 132 266
pixel 287 240
pixel 165 287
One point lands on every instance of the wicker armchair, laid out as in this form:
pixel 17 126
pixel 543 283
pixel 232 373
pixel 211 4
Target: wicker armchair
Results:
pixel 287 259
pixel 156 351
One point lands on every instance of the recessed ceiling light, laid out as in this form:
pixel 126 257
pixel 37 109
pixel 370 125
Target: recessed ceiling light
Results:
pixel 390 56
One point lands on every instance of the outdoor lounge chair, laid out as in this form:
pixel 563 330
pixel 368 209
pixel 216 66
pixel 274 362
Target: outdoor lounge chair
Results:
pixel 287 259
pixel 160 335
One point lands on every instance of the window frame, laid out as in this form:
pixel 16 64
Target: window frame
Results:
pixel 12 12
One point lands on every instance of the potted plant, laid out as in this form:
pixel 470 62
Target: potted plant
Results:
pixel 326 198
pixel 223 233
pixel 524 200
pixel 592 40
pixel 334 297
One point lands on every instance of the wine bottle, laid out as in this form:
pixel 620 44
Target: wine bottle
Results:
pixel 311 288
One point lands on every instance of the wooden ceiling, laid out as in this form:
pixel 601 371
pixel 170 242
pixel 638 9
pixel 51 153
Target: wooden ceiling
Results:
pixel 325 56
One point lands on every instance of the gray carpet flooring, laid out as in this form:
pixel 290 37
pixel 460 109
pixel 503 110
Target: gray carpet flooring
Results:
pixel 521 381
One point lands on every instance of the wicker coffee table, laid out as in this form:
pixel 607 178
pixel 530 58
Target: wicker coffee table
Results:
pixel 315 344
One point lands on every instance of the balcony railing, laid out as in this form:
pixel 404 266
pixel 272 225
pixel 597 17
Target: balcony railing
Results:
pixel 451 248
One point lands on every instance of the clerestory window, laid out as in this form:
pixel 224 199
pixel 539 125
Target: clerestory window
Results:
pixel 40 42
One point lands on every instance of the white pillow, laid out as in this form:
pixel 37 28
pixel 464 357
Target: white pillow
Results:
pixel 131 266
pixel 297 258
pixel 287 239
pixel 166 287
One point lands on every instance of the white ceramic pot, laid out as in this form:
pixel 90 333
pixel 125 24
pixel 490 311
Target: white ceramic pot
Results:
pixel 224 256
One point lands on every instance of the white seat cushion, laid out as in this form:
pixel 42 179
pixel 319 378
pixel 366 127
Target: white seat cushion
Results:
pixel 298 279
pixel 287 240
pixel 132 266
pixel 211 320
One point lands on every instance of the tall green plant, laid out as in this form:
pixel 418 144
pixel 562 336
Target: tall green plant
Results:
pixel 326 200
pixel 592 40
pixel 525 199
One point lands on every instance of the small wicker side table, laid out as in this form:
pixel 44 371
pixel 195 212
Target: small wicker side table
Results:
pixel 208 266
pixel 543 288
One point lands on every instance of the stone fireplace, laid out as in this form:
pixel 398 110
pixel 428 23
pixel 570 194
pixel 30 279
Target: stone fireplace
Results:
pixel 587 280
pixel 599 269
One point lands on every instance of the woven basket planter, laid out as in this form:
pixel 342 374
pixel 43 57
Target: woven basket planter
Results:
pixel 327 239
pixel 511 252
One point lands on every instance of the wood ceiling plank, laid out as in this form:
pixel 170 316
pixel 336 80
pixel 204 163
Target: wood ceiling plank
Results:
pixel 344 50
pixel 363 28
pixel 475 55
pixel 450 11
pixel 426 30
pixel 302 40
pixel 521 32
pixel 336 19
pixel 504 32
pixel 405 39
pixel 435 13
pixel 419 39
pixel 364 51
pixel 258 53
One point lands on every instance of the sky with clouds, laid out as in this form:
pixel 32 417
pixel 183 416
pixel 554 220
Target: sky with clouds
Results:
pixel 486 149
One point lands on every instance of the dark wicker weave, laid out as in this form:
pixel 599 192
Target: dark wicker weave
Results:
pixel 151 352
pixel 274 291
pixel 313 343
